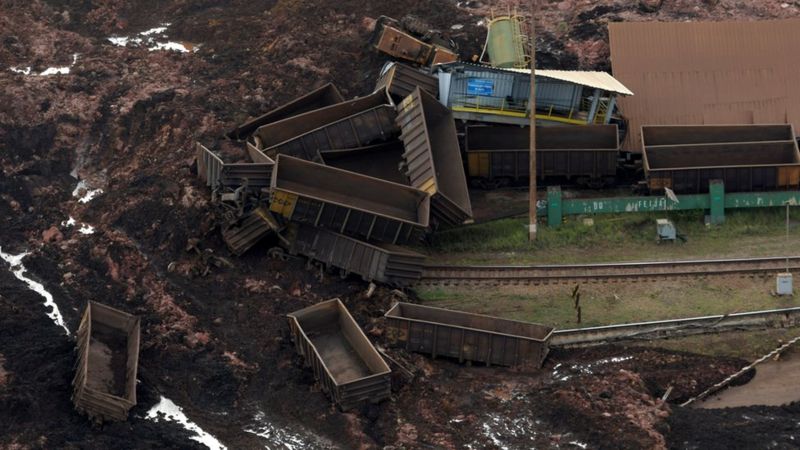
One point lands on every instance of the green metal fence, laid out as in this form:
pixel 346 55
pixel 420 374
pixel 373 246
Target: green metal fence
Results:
pixel 717 201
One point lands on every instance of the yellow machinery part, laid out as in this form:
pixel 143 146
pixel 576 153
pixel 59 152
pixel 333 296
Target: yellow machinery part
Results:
pixel 282 203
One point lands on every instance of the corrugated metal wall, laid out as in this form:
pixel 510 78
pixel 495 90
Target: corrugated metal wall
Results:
pixel 697 73
pixel 560 94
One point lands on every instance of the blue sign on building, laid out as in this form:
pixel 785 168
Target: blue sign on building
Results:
pixel 480 86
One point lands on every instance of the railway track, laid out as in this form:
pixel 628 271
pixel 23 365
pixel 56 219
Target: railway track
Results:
pixel 443 275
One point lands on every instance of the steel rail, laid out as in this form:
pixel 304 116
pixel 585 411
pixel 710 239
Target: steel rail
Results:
pixel 543 274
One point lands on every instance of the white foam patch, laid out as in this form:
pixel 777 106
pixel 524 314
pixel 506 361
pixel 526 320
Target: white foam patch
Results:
pixel 69 223
pixel 19 271
pixel 156 30
pixel 86 229
pixel 62 70
pixel 174 413
pixel 88 194
pixel 456 27
pixel 122 41
pixel 149 38
pixel 263 428
pixel 175 46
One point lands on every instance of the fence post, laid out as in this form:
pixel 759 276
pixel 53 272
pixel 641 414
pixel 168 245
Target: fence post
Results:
pixel 554 206
pixel 716 192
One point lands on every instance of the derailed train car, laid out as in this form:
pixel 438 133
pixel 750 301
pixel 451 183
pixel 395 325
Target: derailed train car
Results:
pixel 499 155
pixel 433 158
pixel 283 130
pixel 344 361
pixel 365 128
pixel 359 206
pixel 104 387
pixel 467 337
pixel 385 263
pixel 326 95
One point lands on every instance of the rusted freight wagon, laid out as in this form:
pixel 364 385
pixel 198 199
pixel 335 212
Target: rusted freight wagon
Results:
pixel 346 365
pixel 433 157
pixel 283 130
pixel 361 129
pixel 104 387
pixel 391 39
pixel 385 263
pixel 326 95
pixel 745 157
pixel 380 161
pixel 400 80
pixel 216 173
pixel 346 202
pixel 466 336
pixel 498 155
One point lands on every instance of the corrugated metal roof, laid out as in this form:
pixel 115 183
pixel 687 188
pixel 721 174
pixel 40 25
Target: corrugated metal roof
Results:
pixel 696 73
pixel 595 79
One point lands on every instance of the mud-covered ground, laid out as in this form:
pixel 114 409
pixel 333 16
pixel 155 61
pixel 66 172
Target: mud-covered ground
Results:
pixel 124 120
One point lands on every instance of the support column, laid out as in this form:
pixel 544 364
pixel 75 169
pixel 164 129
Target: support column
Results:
pixel 593 109
pixel 554 211
pixel 716 193
pixel 611 105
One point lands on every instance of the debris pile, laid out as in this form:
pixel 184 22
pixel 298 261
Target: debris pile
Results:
pixel 346 183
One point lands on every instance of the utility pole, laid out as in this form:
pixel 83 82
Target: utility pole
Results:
pixel 532 195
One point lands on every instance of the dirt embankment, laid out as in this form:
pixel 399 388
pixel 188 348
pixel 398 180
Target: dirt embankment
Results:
pixel 124 120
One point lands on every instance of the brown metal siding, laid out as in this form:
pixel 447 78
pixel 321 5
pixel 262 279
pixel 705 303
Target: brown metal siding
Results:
pixel 336 349
pixel 707 73
pixel 433 156
pixel 467 337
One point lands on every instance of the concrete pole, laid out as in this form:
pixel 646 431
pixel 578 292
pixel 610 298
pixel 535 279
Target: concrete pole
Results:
pixel 532 105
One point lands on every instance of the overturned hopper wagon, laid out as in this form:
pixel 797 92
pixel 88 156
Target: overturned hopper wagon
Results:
pixel 745 157
pixel 283 130
pixel 467 337
pixel 433 157
pixel 349 203
pixel 390 38
pixel 359 130
pixel 346 365
pixel 385 263
pixel 587 154
pixel 104 387
pixel 400 80
pixel 326 95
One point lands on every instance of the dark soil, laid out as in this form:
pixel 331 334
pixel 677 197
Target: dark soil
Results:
pixel 126 119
